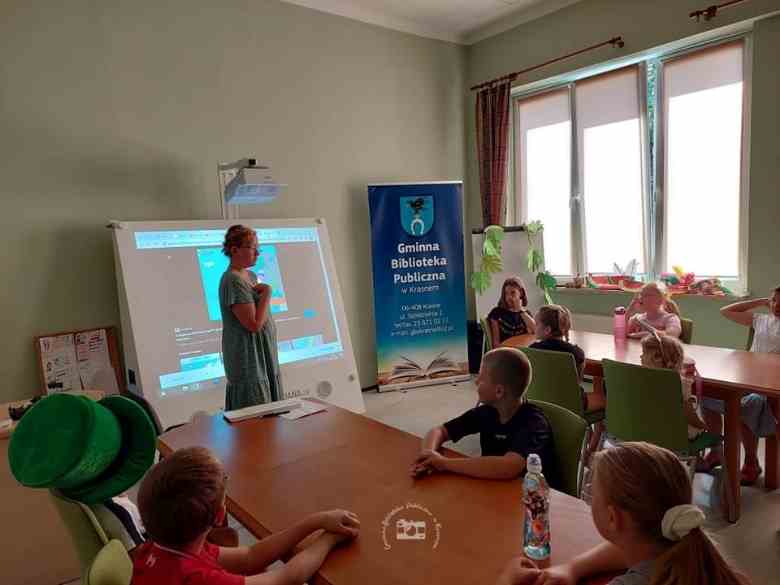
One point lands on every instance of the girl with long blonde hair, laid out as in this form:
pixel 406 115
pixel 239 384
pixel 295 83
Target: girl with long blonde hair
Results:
pixel 652 308
pixel 642 506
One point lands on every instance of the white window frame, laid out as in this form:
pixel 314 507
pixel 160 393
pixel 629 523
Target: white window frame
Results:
pixel 744 195
pixel 653 203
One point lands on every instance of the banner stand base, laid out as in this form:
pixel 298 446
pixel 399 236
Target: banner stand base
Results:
pixel 422 383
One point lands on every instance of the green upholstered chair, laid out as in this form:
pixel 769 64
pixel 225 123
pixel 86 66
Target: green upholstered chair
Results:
pixel 111 566
pixel 569 431
pixel 555 380
pixel 645 404
pixel 686 335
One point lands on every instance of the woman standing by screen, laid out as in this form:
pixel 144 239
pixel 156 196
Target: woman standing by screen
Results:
pixel 249 348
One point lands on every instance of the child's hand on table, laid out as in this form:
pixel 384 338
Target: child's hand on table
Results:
pixel 520 571
pixel 429 460
pixel 341 522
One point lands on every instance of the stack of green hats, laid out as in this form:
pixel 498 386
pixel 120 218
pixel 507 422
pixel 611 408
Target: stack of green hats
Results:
pixel 90 451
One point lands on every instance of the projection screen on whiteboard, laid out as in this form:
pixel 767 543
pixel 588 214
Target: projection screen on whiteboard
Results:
pixel 168 276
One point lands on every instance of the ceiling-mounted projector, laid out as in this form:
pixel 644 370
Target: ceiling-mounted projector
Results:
pixel 247 183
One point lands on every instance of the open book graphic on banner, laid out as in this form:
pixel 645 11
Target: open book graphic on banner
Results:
pixel 409 369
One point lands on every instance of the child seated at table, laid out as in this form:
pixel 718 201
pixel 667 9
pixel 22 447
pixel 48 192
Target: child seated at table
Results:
pixel 510 317
pixel 553 324
pixel 653 309
pixel 642 507
pixel 757 417
pixel 662 351
pixel 183 496
pixel 509 427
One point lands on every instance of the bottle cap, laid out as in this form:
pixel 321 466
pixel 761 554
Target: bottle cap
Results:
pixel 620 310
pixel 534 463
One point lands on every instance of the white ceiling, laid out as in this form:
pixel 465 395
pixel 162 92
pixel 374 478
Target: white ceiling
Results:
pixel 459 21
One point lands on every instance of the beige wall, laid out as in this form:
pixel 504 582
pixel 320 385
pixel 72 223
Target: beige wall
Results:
pixel 123 109
pixel 645 25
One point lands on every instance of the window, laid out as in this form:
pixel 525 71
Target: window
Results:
pixel 702 126
pixel 610 147
pixel 644 162
pixel 543 173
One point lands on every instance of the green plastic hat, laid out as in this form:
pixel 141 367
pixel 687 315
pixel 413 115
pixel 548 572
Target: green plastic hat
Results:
pixel 90 451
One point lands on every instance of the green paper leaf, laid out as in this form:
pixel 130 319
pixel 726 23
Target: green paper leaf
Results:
pixel 534 260
pixel 490 248
pixel 549 280
pixel 494 233
pixel 534 227
pixel 492 264
pixel 480 281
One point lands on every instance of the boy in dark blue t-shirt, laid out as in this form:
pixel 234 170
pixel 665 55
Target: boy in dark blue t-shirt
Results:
pixel 509 428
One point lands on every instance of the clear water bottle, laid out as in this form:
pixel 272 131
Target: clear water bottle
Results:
pixel 536 497
pixel 619 323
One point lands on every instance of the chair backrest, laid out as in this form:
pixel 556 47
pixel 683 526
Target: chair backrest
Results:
pixel 85 531
pixel 487 340
pixel 645 404
pixel 554 379
pixel 686 335
pixel 568 437
pixel 111 566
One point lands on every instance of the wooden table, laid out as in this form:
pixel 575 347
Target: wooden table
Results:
pixel 727 374
pixel 281 470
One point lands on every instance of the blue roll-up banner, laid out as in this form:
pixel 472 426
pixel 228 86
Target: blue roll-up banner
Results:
pixel 419 283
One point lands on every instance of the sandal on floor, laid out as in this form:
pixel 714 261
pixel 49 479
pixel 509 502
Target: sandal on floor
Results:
pixel 750 474
pixel 709 462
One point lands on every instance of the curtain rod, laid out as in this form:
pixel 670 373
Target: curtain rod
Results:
pixel 614 41
pixel 712 11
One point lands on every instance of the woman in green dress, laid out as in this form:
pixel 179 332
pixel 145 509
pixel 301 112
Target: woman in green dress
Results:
pixel 249 348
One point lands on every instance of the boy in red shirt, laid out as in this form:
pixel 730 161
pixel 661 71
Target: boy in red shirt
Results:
pixel 183 497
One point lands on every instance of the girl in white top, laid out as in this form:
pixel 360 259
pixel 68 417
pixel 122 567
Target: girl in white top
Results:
pixel 662 351
pixel 653 307
pixel 755 412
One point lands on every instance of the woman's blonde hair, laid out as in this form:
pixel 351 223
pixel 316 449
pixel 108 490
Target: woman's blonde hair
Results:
pixel 517 283
pixel 557 318
pixel 645 481
pixel 235 237
pixel 664 351
pixel 669 305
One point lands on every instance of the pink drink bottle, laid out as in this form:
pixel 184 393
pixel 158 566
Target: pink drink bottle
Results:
pixel 619 323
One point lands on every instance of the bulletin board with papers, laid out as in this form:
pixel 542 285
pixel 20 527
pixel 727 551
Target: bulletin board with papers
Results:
pixel 80 360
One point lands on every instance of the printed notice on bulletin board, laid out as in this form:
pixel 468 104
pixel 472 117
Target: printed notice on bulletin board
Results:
pixel 60 369
pixel 80 360
pixel 95 369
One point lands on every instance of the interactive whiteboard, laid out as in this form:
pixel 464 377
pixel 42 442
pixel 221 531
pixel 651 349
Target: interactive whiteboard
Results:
pixel 168 276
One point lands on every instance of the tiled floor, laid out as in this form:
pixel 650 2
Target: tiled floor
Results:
pixel 753 544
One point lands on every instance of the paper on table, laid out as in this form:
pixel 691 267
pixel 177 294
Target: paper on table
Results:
pixel 60 367
pixel 94 361
pixel 306 409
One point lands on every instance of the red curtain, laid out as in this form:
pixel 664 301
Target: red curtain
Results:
pixel 492 139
